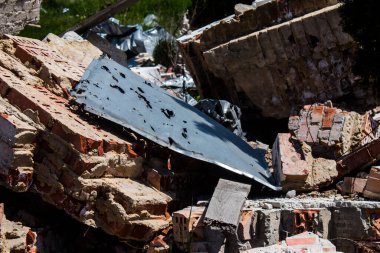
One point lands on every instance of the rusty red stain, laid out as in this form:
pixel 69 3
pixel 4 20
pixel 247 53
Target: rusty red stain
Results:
pixel 304 220
pixel 328 118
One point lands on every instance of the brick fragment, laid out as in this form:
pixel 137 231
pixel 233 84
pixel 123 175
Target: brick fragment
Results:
pixel 372 188
pixel 328 117
pixel 53 112
pixel 54 65
pixel 17 138
pixel 353 185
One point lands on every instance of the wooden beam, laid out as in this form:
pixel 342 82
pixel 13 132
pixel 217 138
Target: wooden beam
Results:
pixel 101 16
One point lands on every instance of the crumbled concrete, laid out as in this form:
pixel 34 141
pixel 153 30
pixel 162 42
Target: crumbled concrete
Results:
pixel 18 135
pixel 15 14
pixel 304 242
pixel 14 237
pixel 327 218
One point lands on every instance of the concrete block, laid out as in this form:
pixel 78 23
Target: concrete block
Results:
pixel 268 227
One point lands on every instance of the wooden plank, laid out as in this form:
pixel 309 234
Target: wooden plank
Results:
pixel 101 16
pixel 226 204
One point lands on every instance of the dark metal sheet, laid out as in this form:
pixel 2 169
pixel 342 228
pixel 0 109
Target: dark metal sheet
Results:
pixel 113 92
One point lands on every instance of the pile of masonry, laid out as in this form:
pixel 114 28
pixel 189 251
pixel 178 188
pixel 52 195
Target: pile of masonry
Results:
pixel 14 237
pixel 113 178
pixel 73 164
pixel 258 57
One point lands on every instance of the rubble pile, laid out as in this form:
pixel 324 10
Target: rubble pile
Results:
pixel 14 237
pixel 271 58
pixel 314 154
pixel 265 222
pixel 306 241
pixel 125 150
pixel 74 165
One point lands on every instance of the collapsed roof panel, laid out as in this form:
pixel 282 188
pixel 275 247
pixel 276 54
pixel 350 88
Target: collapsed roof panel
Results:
pixel 113 92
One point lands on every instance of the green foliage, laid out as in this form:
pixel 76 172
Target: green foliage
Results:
pixel 53 20
pixel 169 13
pixel 360 18
pixel 166 53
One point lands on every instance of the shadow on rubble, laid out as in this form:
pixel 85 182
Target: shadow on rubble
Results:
pixel 56 231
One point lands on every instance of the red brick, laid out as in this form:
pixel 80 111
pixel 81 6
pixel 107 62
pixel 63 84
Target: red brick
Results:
pixel 292 166
pixel 328 118
pixel 54 113
pixel 302 239
pixel 40 53
pixel 316 114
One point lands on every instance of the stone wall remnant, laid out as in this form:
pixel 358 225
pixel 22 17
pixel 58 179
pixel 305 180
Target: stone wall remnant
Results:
pixel 275 57
pixel 93 174
pixel 15 14
pixel 276 219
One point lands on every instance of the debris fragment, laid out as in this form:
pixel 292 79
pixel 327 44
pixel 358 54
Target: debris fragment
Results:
pixel 166 122
pixel 274 57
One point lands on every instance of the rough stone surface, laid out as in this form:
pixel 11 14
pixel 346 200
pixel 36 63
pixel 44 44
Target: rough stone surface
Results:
pixel 304 242
pixel 225 205
pixel 14 237
pixel 274 69
pixel 79 51
pixel 18 135
pixel 327 218
pixel 15 14
pixel 90 173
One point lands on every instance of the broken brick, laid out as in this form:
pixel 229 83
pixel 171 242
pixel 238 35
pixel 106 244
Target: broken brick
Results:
pixel 328 117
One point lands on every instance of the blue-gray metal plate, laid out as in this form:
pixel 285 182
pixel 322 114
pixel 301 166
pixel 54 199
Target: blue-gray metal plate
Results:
pixel 113 92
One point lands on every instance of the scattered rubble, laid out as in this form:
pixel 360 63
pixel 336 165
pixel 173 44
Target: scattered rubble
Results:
pixel 305 242
pixel 77 167
pixel 265 222
pixel 319 148
pixel 125 150
pixel 15 15
pixel 274 57
pixel 14 237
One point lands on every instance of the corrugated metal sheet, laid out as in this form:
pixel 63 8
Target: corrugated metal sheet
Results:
pixel 113 92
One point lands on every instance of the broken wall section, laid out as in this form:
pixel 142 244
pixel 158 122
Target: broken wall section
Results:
pixel 272 70
pixel 266 222
pixel 75 165
pixel 322 143
pixel 15 14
